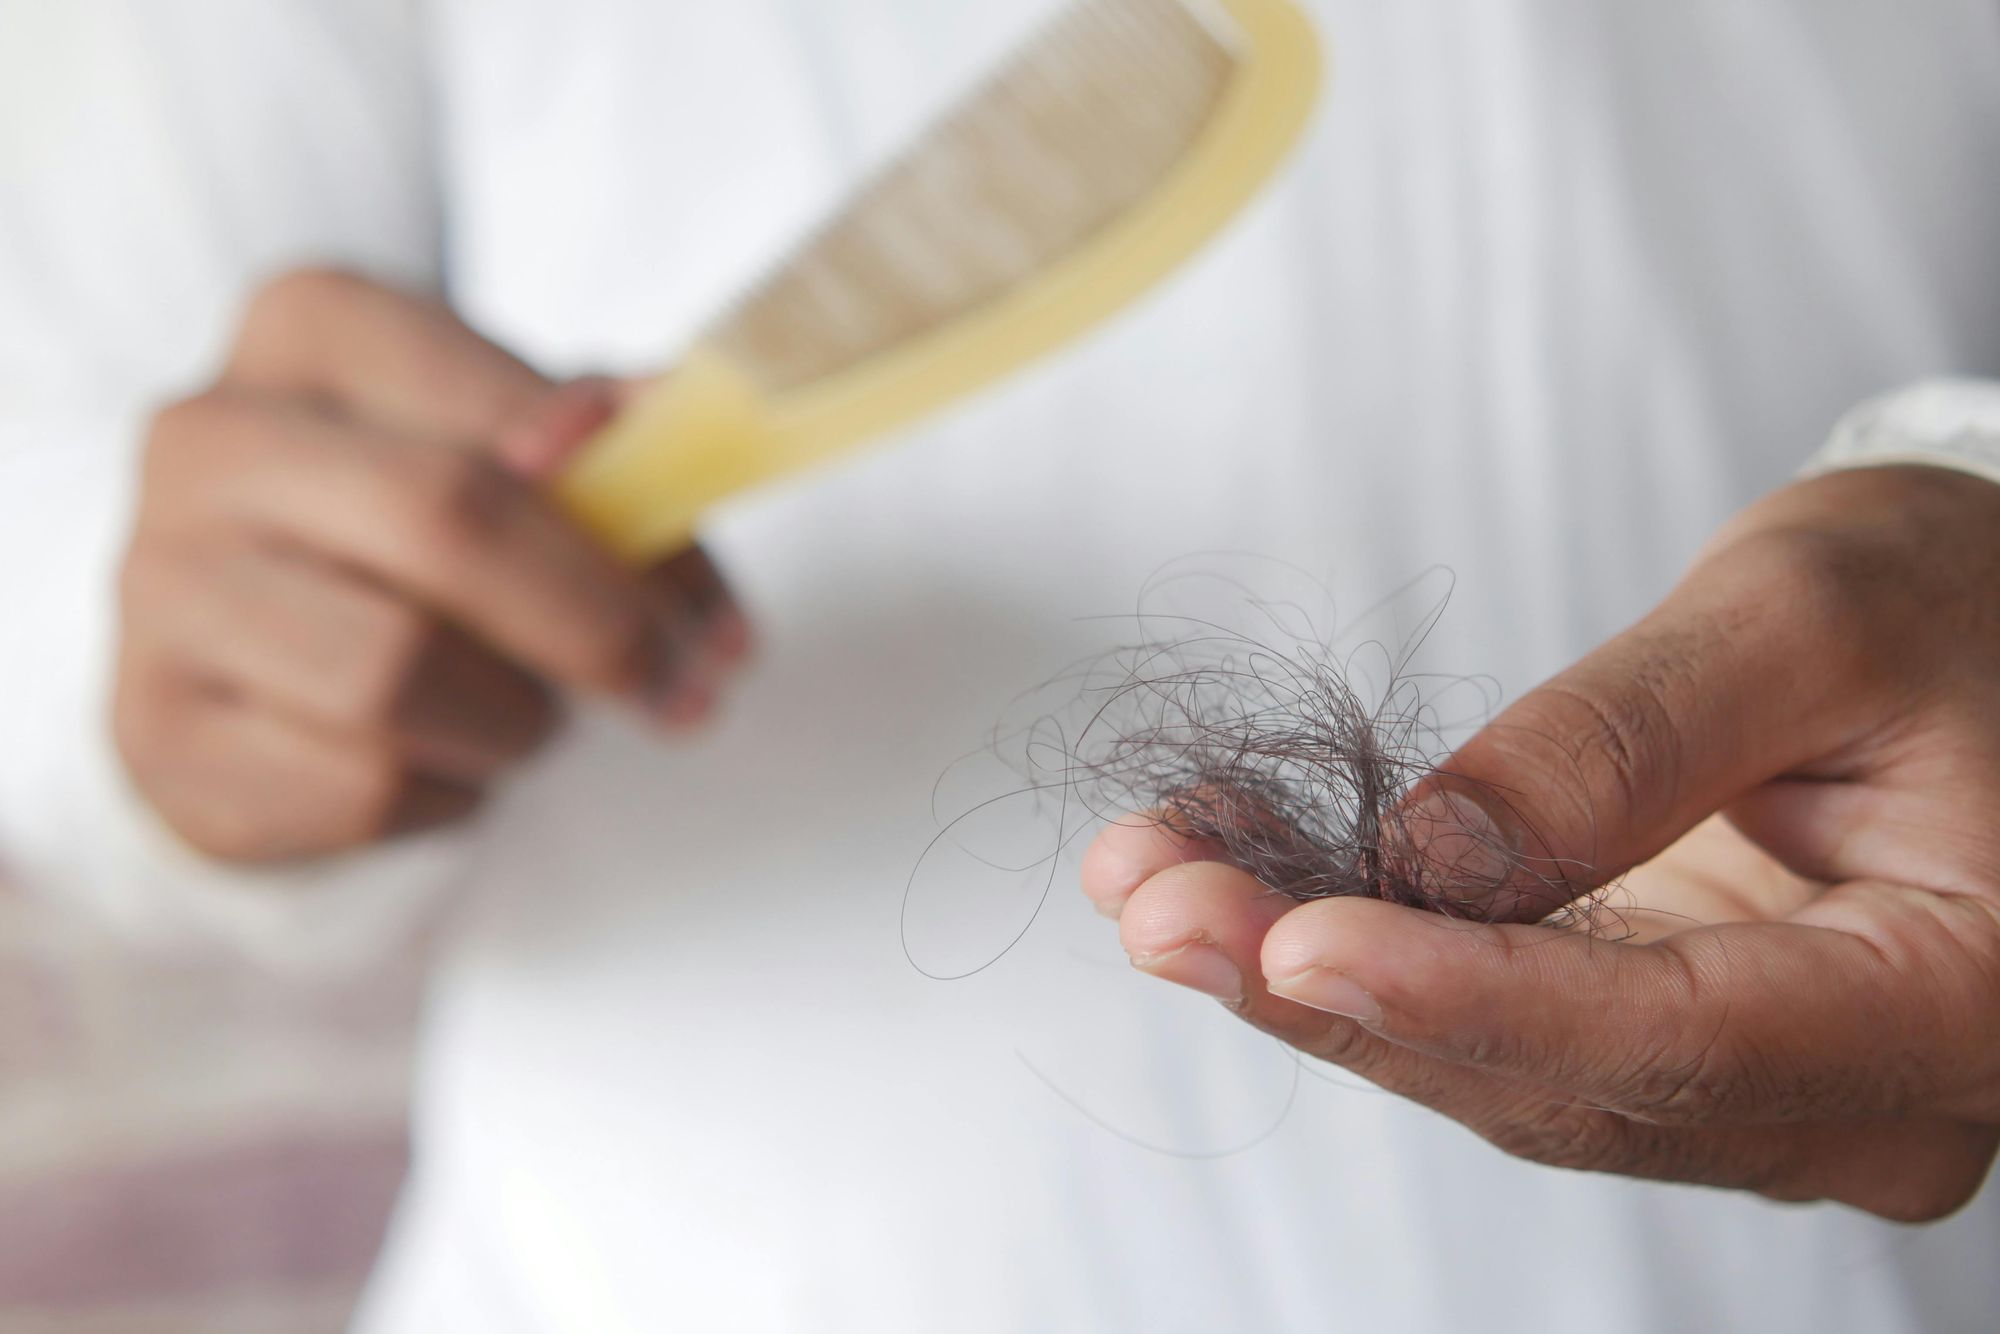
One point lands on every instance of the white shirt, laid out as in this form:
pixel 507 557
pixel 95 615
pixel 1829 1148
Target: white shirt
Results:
pixel 1554 286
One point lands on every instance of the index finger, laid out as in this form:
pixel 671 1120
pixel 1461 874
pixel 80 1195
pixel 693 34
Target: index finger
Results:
pixel 399 360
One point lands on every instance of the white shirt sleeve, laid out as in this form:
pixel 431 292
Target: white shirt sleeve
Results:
pixel 1940 423
pixel 156 161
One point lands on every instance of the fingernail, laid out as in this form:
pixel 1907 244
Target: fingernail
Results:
pixel 1201 967
pixel 1335 993
pixel 1462 847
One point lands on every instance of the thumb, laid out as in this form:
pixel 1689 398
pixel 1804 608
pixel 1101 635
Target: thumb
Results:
pixel 1725 685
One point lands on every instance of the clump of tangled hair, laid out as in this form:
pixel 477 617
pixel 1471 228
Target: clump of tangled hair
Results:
pixel 1269 730
pixel 1273 758
pixel 1285 744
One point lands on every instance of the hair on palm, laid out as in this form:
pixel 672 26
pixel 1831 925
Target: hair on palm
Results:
pixel 1267 728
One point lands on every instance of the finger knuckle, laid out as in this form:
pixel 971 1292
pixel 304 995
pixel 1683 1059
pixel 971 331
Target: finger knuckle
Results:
pixel 391 654
pixel 294 299
pixel 1598 1142
pixel 465 493
pixel 1624 737
pixel 461 500
pixel 1675 1087
pixel 1340 1042
pixel 1676 1074
pixel 1493 1047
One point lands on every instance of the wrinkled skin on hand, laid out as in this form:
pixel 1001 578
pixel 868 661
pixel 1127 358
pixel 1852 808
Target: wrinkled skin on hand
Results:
pixel 1794 765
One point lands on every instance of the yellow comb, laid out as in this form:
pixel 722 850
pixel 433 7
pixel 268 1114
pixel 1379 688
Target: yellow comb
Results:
pixel 1103 154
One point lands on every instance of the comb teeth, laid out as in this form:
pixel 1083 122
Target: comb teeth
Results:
pixel 1078 126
